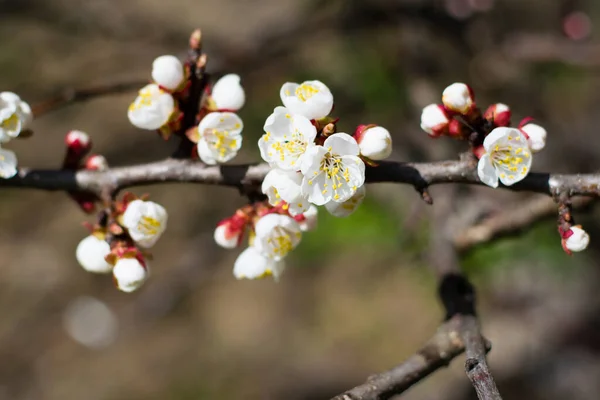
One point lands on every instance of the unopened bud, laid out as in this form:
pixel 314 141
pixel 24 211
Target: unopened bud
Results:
pixel 536 136
pixel 90 254
pixel 228 94
pixel 375 142
pixel 96 162
pixel 78 143
pixel 499 114
pixel 130 273
pixel 228 233
pixel 578 239
pixel 168 72
pixel 459 98
pixel 434 120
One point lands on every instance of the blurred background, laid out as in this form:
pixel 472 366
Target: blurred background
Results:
pixel 358 296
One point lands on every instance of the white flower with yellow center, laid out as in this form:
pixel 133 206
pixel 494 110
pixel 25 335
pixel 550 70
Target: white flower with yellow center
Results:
pixel 276 235
pixel 130 273
pixel 507 157
pixel 252 264
pixel 349 206
pixel 332 172
pixel 145 221
pixel 8 164
pixel 228 93
pixel 287 137
pixel 15 115
pixel 152 109
pixel 91 253
pixel 220 137
pixel 311 99
pixel 168 72
pixel 283 185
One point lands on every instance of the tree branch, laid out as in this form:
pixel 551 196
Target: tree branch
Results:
pixel 419 175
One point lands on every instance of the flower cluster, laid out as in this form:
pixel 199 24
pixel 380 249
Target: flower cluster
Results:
pixel 15 116
pixel 118 241
pixel 159 107
pixel 311 165
pixel 272 233
pixel 310 161
pixel 504 153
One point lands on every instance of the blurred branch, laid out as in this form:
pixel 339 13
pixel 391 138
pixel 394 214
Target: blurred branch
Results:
pixel 512 221
pixel 545 48
pixel 70 96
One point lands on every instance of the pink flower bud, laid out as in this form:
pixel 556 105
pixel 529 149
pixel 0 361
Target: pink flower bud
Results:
pixel 96 162
pixel 228 233
pixel 499 114
pixel 459 98
pixel 78 143
pixel 435 120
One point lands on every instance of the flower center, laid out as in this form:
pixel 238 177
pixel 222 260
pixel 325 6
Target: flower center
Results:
pixel 294 147
pixel 306 91
pixel 148 225
pixel 220 140
pixel 336 171
pixel 11 123
pixel 280 242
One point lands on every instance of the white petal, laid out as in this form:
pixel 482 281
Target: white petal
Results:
pixel 228 93
pixel 578 241
pixel 347 207
pixel 315 190
pixel 499 136
pixel 433 120
pixel 129 274
pixel 487 172
pixel 152 108
pixel 205 153
pixel 91 253
pixel 168 72
pixel 251 264
pixel 537 136
pixel 311 99
pixel 8 164
pixel 342 144
pixel 457 97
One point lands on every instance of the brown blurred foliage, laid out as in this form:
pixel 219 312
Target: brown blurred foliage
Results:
pixel 357 297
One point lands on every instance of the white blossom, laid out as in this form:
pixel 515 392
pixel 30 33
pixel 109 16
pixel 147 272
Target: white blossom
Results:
pixel 458 97
pixel 507 157
pixel 252 264
pixel 168 72
pixel 152 109
pixel 332 172
pixel 536 136
pixel 226 237
pixel 91 253
pixel 578 241
pixel 220 137
pixel 284 185
pixel 309 219
pixel 286 139
pixel 145 221
pixel 228 93
pixel 15 115
pixel 276 235
pixel 434 120
pixel 129 274
pixel 375 143
pixel 8 164
pixel 311 99
pixel 349 206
